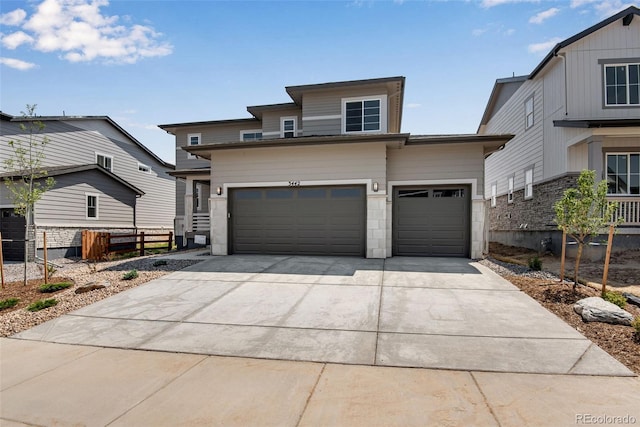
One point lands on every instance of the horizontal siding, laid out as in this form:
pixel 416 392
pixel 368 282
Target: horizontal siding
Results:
pixel 65 203
pixel 522 151
pixel 271 120
pixel 322 127
pixel 437 162
pixel 335 162
pixel 72 145
pixel 586 83
pixel 180 191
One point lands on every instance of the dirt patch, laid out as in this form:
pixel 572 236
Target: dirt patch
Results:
pixel 28 293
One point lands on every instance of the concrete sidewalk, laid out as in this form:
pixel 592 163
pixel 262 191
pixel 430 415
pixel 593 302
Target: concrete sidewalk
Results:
pixel 46 384
pixel 407 312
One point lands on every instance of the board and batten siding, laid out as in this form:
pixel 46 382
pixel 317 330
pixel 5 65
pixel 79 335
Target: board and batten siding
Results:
pixel 65 203
pixel 72 145
pixel 299 163
pixel 585 82
pixel 522 151
pixel 436 162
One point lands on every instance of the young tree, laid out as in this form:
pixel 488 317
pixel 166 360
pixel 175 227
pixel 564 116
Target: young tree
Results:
pixel 583 212
pixel 28 182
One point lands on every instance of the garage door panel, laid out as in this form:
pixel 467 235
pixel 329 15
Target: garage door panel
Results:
pixel 312 220
pixel 431 221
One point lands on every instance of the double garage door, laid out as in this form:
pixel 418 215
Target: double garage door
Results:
pixel 429 221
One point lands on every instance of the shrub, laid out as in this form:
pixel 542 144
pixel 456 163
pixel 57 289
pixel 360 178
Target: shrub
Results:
pixel 159 262
pixel 42 304
pixel 130 275
pixel 8 303
pixel 54 287
pixel 615 298
pixel 535 263
pixel 636 325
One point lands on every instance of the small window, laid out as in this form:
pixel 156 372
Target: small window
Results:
pixel 312 193
pixel 458 192
pixel 92 206
pixel 251 135
pixel 622 84
pixel 510 189
pixel 144 168
pixel 494 195
pixel 279 194
pixel 198 195
pixel 105 161
pixel 528 183
pixel 193 139
pixel 362 116
pixel 248 194
pixel 346 193
pixel 422 193
pixel 623 173
pixel 288 127
pixel 528 113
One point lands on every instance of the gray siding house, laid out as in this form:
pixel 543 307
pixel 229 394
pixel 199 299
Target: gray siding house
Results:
pixel 578 109
pixel 331 173
pixel 105 180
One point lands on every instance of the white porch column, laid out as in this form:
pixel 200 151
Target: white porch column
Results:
pixel 218 224
pixel 596 160
pixel 188 206
pixel 377 225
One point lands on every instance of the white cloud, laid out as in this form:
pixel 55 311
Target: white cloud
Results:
pixel 478 32
pixel 509 32
pixel 17 64
pixel 544 47
pixel 539 18
pixel 603 8
pixel 580 3
pixel 81 33
pixel 16 39
pixel 414 105
pixel 13 18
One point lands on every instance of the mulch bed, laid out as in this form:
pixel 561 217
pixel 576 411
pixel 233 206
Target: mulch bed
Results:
pixel 621 342
pixel 29 293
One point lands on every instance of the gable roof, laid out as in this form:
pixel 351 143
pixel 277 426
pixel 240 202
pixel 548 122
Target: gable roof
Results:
pixel 626 15
pixel 69 169
pixel 87 118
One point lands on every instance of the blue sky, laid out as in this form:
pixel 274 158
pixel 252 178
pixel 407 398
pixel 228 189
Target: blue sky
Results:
pixel 145 63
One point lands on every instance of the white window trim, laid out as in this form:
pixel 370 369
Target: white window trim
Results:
pixel 86 206
pixel 494 194
pixel 242 132
pixel 510 185
pixel 295 125
pixel 606 169
pixel 383 113
pixel 628 85
pixel 107 156
pixel 142 166
pixel 532 113
pixel 198 197
pixel 528 186
pixel 189 136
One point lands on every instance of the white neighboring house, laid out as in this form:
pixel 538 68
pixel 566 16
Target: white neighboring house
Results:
pixel 578 109
pixel 105 180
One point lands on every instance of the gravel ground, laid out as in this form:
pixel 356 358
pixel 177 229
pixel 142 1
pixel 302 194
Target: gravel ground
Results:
pixel 507 269
pixel 110 273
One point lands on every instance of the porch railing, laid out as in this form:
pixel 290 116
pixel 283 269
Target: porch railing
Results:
pixel 201 221
pixel 628 209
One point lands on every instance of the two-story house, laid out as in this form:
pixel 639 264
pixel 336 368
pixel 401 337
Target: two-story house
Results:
pixel 104 180
pixel 331 173
pixel 578 109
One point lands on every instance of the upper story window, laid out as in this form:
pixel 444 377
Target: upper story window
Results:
pixel 251 135
pixel 622 84
pixel 193 139
pixel 528 183
pixel 362 116
pixel 623 173
pixel 288 127
pixel 528 113
pixel 144 168
pixel 105 161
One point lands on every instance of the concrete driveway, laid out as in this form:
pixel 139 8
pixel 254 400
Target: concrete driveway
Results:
pixel 407 312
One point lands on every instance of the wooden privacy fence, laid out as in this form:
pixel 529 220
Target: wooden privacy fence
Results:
pixel 97 245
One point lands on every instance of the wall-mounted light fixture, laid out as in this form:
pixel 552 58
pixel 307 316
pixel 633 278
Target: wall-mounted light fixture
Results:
pixel 218 191
pixel 375 186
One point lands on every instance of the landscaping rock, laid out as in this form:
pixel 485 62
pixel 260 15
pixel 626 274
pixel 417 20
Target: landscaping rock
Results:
pixel 595 309
pixel 91 286
pixel 632 299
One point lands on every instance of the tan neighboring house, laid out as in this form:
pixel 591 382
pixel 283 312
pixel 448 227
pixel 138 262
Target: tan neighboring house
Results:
pixel 578 109
pixel 330 173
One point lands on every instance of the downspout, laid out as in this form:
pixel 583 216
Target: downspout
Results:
pixel 564 67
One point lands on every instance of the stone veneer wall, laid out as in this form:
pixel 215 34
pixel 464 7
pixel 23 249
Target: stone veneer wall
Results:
pixel 376 225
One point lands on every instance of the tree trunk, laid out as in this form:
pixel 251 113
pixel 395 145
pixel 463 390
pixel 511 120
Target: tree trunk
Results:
pixel 578 256
pixel 27 221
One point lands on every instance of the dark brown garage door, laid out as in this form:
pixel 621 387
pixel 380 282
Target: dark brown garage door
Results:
pixel 299 221
pixel 431 221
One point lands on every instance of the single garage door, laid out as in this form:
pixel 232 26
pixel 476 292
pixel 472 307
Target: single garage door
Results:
pixel 12 229
pixel 298 221
pixel 431 221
